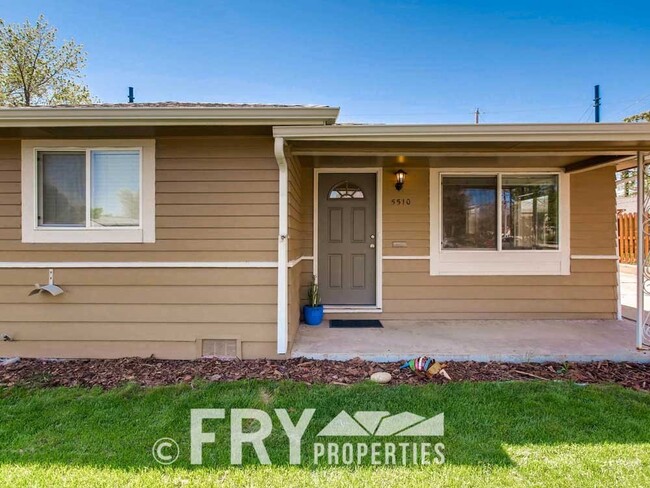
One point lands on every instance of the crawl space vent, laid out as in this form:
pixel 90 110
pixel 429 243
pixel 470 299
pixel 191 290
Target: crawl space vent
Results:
pixel 222 348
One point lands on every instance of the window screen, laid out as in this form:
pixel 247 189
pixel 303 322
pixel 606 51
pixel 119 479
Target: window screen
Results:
pixel 115 188
pixel 62 189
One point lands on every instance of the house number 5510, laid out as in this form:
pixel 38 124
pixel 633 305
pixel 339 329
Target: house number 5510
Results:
pixel 400 201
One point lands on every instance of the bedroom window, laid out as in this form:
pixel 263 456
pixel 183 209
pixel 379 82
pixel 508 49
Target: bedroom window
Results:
pixel 112 199
pixel 499 222
pixel 88 194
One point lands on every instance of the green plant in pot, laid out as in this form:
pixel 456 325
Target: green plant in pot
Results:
pixel 313 311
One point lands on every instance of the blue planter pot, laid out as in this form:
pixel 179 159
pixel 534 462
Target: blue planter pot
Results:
pixel 313 315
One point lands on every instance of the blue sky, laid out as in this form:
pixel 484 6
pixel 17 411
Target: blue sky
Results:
pixel 380 61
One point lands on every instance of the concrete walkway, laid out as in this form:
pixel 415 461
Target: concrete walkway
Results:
pixel 478 340
pixel 627 279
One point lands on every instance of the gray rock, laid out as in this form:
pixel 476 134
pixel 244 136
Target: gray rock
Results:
pixel 381 377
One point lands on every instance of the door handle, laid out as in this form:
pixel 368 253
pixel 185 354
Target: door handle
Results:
pixel 372 246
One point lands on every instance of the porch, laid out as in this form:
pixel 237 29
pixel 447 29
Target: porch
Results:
pixel 435 292
pixel 475 340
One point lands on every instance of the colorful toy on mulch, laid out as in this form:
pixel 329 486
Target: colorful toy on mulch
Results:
pixel 426 365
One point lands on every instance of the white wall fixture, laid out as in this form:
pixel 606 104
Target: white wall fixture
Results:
pixel 50 288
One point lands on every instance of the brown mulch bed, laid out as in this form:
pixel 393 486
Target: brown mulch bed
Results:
pixel 110 373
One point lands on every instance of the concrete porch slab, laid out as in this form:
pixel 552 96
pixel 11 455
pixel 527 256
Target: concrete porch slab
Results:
pixel 475 340
pixel 627 280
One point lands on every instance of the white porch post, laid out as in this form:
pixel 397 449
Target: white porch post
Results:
pixel 640 252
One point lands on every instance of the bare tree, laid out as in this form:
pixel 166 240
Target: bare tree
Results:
pixel 36 70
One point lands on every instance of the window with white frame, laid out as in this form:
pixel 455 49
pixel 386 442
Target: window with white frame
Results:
pixel 499 223
pixel 88 193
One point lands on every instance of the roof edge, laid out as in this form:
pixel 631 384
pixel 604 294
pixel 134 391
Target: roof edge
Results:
pixel 470 132
pixel 165 116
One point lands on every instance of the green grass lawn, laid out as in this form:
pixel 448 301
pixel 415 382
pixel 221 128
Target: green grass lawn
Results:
pixel 496 434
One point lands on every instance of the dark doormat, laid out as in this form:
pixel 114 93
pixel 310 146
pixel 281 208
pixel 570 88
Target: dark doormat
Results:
pixel 355 324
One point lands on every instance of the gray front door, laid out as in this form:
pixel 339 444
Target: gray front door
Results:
pixel 347 238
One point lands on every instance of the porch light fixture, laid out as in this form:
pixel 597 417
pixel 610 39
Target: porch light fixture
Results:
pixel 400 175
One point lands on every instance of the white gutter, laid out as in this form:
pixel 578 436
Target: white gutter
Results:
pixel 165 116
pixel 514 133
pixel 283 247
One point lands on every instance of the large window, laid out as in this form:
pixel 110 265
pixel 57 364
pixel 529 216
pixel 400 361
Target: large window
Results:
pixel 469 216
pixel 112 199
pixel 499 222
pixel 88 194
pixel 529 212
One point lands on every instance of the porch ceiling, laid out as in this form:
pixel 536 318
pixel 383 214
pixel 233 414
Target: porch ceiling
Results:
pixel 572 146
pixel 570 162
pixel 343 147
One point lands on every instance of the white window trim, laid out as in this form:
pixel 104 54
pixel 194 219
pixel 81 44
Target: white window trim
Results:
pixel 452 262
pixel 32 233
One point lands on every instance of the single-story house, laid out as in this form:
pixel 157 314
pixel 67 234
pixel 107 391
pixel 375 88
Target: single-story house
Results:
pixel 180 230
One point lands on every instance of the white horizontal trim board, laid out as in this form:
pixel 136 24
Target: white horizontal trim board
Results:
pixel 594 256
pixel 296 261
pixel 574 256
pixel 406 257
pixel 139 264
pixel 351 309
pixel 201 264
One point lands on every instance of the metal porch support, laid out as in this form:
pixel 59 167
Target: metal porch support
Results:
pixel 643 258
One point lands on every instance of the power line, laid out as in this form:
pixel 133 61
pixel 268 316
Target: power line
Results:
pixel 539 109
pixel 586 112
pixel 497 112
pixel 583 117
pixel 632 105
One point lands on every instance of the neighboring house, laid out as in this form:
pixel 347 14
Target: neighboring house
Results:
pixel 182 230
pixel 626 204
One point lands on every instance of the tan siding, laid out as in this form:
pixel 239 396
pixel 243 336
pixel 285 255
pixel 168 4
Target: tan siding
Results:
pixel 306 273
pixel 409 292
pixel 298 179
pixel 152 311
pixel 406 223
pixel 482 315
pixel 217 200
pixel 294 300
pixel 295 211
pixel 100 349
pixel 593 212
pixel 135 331
pixel 307 228
pixel 590 290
